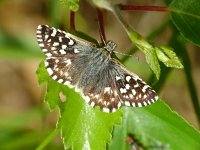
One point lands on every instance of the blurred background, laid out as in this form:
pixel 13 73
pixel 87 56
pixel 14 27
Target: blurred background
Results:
pixel 25 119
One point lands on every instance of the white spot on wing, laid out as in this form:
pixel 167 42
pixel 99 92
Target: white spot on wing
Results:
pixel 71 42
pixel 127 103
pixel 122 90
pixel 67 83
pixel 139 105
pixel 118 78
pixel 39 27
pixel 92 104
pixel 38 32
pixel 144 96
pixel 46 37
pixel 119 105
pixel 107 89
pixel 50 71
pixel 55 44
pixel 62 51
pixel 106 110
pixel 54 77
pixel 57 60
pixel 64 46
pixel 53 48
pixel 44 50
pixel 46 64
pixel 133 91
pixel 60 80
pixel 87 98
pixel 156 98
pixel 128 78
pixel 113 110
pixel 96 96
pixel 144 88
pixel 127 86
pixel 60 39
pixel 68 62
pixel 136 85
pixel 76 50
pixel 48 54
pixel 41 45
pixel 39 36
pixel 53 33
pixel 133 104
pixel 145 104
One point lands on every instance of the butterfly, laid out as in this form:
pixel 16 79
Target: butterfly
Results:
pixel 93 70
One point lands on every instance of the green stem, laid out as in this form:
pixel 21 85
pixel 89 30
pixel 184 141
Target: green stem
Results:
pixel 152 35
pixel 135 37
pixel 48 139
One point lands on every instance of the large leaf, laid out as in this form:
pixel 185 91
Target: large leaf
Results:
pixel 186 16
pixel 156 127
pixel 82 126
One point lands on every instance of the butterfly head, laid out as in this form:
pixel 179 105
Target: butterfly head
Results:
pixel 110 46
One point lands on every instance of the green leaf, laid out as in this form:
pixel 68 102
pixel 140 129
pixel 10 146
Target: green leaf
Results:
pixel 152 60
pixel 186 16
pixel 71 4
pixel 52 96
pixel 168 57
pixel 148 50
pixel 42 73
pixel 156 127
pixel 82 126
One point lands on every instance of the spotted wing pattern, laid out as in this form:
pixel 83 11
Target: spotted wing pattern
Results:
pixel 63 51
pixel 77 63
pixel 134 91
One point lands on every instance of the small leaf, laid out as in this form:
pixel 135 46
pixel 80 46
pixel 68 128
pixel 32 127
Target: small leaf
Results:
pixel 52 96
pixel 71 4
pixel 42 73
pixel 168 57
pixel 152 60
pixel 149 51
pixel 156 127
pixel 186 16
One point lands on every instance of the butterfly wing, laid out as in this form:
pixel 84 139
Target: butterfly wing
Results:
pixel 107 86
pixel 114 86
pixel 64 51
pixel 132 90
pixel 101 91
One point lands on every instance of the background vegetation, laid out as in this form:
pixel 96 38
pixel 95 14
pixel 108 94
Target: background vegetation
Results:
pixel 27 123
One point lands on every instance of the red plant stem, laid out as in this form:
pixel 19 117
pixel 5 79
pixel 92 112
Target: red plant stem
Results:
pixel 143 8
pixel 72 20
pixel 101 25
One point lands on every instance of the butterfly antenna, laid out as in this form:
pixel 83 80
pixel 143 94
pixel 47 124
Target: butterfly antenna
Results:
pixel 101 26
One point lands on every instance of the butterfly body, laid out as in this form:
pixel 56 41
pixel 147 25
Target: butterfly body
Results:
pixel 95 72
